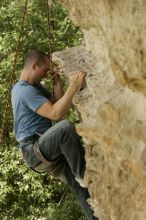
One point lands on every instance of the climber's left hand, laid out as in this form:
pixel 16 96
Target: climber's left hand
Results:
pixel 55 77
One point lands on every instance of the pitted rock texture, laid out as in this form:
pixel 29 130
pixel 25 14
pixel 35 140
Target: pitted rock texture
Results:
pixel 112 103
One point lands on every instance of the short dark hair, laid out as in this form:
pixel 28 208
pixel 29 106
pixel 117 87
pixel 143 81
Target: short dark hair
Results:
pixel 36 55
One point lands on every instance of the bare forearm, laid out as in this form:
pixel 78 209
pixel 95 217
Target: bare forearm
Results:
pixel 59 109
pixel 62 105
pixel 58 91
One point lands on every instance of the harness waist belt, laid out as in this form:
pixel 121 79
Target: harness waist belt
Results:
pixel 30 139
pixel 53 167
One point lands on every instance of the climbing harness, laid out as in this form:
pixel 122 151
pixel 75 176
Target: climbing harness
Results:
pixel 53 168
pixel 42 165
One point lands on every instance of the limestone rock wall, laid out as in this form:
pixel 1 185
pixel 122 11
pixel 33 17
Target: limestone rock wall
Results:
pixel 112 105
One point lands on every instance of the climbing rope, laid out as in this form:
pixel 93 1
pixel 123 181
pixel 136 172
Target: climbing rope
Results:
pixel 12 75
pixel 48 12
pixel 52 73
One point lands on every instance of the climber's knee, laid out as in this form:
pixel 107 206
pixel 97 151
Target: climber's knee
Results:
pixel 67 125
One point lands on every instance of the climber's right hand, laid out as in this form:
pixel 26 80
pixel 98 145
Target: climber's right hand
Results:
pixel 77 78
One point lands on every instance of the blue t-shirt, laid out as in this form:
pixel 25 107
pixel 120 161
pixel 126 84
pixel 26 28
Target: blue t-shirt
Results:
pixel 26 99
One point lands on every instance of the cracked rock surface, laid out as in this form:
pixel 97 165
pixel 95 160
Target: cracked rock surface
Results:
pixel 112 103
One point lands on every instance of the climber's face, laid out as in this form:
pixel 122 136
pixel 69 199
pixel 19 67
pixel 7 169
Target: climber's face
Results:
pixel 40 72
pixel 44 69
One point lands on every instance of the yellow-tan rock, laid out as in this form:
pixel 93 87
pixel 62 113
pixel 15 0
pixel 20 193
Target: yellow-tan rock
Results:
pixel 112 104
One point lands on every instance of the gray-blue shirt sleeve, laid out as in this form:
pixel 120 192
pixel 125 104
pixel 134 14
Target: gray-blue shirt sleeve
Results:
pixel 33 99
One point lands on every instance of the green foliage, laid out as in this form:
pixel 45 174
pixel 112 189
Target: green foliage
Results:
pixel 25 194
pixel 28 195
pixel 67 210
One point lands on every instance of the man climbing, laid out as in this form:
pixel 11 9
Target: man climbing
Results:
pixel 46 147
